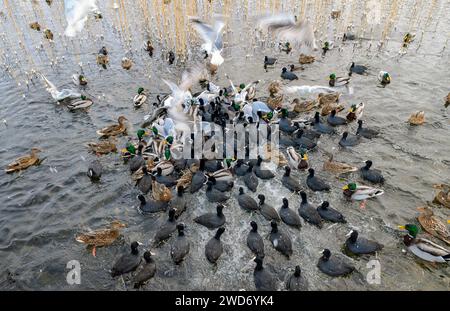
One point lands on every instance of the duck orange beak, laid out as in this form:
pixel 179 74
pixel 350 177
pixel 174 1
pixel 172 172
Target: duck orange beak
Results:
pixel 448 221
pixel 305 157
pixel 402 227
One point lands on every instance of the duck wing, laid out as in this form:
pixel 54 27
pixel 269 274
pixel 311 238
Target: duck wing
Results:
pixel 431 247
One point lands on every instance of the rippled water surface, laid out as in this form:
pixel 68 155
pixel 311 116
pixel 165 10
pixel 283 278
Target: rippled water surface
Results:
pixel 45 207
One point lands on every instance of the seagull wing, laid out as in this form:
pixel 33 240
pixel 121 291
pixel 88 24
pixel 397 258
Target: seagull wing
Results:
pixel 302 32
pixel 51 88
pixel 218 28
pixel 275 22
pixel 76 12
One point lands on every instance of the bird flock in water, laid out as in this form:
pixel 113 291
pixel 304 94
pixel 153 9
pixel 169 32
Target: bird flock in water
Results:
pixel 163 180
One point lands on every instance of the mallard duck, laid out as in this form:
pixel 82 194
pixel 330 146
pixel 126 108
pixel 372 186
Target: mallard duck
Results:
pixel 101 237
pixel 275 155
pixel 422 248
pixel 133 145
pixel 285 47
pixel 384 77
pixel 222 175
pixel 304 106
pixel 443 196
pixel 330 98
pixel 329 107
pixel 360 193
pixel 114 130
pixel 80 104
pixel 417 118
pixel 275 102
pixel 166 167
pixel 127 63
pixel 24 162
pixel 35 26
pixel 149 48
pixel 447 100
pixel 433 225
pixel 102 60
pixel 337 167
pixel 48 34
pixel 296 68
pixel 297 161
pixel 356 112
pixel 103 147
pixel 338 81
pixel 79 80
pixel 275 87
pixel 306 59
pixel 160 192
pixel 140 98
pixel 139 174
pixel 185 179
pixel 326 47
pixel 335 14
pixel 408 38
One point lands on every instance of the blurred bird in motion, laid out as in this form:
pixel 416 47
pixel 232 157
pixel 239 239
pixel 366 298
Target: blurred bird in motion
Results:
pixel 212 36
pixel 77 12
pixel 288 29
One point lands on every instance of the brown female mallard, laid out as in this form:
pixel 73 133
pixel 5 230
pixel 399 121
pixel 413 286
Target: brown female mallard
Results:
pixel 443 196
pixel 103 147
pixel 433 225
pixel 274 88
pixel 337 167
pixel 447 101
pixel 160 192
pixel 324 99
pixel 48 34
pixel 102 60
pixel 101 237
pixel 114 130
pixel 303 106
pixel 136 176
pixel 417 118
pixel 306 59
pixel 35 26
pixel 275 155
pixel 127 63
pixel 275 102
pixel 186 177
pixel 329 107
pixel 24 162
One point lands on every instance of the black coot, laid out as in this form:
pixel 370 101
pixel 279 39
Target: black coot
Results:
pixel 147 271
pixel 288 216
pixel 264 280
pixel 214 247
pixel 255 241
pixel 127 262
pixel 180 246
pixel 212 220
